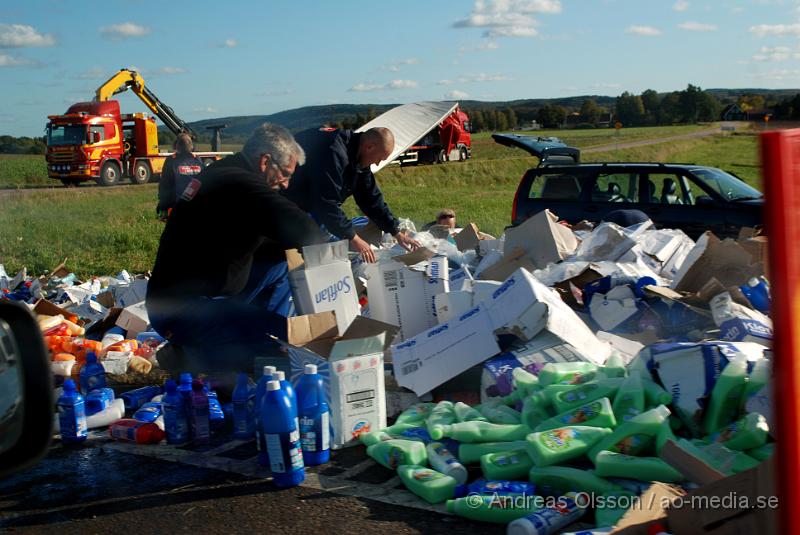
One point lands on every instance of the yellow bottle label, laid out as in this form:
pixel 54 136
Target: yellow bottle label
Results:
pixel 427 475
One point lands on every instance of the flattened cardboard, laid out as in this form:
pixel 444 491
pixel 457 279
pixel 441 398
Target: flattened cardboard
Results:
pixel 106 299
pixel 468 238
pixel 653 508
pixel 692 468
pixel 542 239
pixel 507 266
pixel 413 258
pixel 727 261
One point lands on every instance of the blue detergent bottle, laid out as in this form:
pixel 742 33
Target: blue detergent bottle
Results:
pixel 261 389
pixel 314 417
pixel 93 375
pixel 72 414
pixel 243 405
pixel 201 425
pixel 287 387
pixel 282 437
pixel 185 391
pixel 757 292
pixel 176 417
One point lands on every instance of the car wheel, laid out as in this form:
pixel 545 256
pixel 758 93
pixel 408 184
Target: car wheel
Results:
pixel 109 174
pixel 141 173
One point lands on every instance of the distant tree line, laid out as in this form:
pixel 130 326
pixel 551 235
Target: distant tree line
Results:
pixel 22 145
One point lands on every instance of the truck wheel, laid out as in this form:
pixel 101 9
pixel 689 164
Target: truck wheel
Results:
pixel 462 154
pixel 441 157
pixel 109 174
pixel 141 173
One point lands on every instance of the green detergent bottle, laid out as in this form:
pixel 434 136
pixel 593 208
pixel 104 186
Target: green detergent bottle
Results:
pixel 567 373
pixel 492 508
pixel 609 464
pixel 614 366
pixel 442 414
pixel 393 453
pixel 388 433
pixel 758 379
pixel 762 453
pixel 501 414
pixel 581 394
pixel 726 397
pixel 465 413
pixel 430 485
pixel 728 460
pixel 748 433
pixel 556 480
pixel 563 444
pixel 596 413
pixel 477 431
pixel 506 465
pixel 654 394
pixel 535 409
pixel 415 414
pixel 472 453
pixel 664 433
pixel 635 435
pixel 617 504
pixel 525 381
pixel 629 400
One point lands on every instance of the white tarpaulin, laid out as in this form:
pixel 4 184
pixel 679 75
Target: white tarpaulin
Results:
pixel 409 123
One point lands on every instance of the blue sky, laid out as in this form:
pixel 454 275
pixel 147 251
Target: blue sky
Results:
pixel 216 59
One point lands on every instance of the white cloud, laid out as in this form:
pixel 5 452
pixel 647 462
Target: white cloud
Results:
pixel 779 75
pixel 394 84
pixel 123 30
pixel 7 60
pixel 397 65
pixel 773 54
pixel 763 30
pixel 697 27
pixel 171 70
pixel 21 35
pixel 455 94
pixel 230 43
pixel 680 5
pixel 508 18
pixel 444 82
pixel 207 109
pixel 643 30
pixel 483 77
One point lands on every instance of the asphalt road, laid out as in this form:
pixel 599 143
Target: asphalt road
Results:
pixel 97 488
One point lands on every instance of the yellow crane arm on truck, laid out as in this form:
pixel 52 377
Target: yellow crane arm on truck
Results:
pixel 129 79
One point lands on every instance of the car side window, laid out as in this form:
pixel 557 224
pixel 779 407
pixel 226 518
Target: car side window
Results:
pixel 666 188
pixel 556 187
pixel 616 187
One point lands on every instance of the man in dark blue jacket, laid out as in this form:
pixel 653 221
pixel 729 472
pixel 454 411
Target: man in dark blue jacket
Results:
pixel 179 169
pixel 338 166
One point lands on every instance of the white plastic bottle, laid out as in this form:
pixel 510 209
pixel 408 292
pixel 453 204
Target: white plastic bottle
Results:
pixel 548 521
pixel 442 460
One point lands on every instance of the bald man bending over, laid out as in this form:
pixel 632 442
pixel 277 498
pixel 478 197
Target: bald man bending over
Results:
pixel 338 166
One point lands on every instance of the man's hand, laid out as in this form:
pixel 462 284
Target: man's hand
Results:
pixel 360 246
pixel 407 242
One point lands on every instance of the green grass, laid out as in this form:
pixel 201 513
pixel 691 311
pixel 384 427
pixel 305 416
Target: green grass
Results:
pixel 23 170
pixel 103 231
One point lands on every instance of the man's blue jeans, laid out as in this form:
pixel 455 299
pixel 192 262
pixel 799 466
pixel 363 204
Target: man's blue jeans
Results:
pixel 219 334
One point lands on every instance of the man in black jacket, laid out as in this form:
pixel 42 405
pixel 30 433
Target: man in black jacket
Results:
pixel 338 166
pixel 219 284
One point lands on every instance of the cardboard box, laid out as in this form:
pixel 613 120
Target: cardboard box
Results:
pixel 542 239
pixel 134 319
pixel 727 261
pixel 524 307
pixel 506 265
pixel 468 238
pixel 744 503
pixel 352 366
pixel 652 509
pixel 606 242
pixel 614 308
pixel 497 379
pixel 459 278
pixel 322 280
pixel 405 297
pixel 434 356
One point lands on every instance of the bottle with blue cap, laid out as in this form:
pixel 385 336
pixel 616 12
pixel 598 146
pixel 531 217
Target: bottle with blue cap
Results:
pixel 244 401
pixel 72 414
pixel 93 375
pixel 282 437
pixel 261 389
pixel 314 417
pixel 176 417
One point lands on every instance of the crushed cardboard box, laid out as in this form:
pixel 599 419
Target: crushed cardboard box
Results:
pixel 542 239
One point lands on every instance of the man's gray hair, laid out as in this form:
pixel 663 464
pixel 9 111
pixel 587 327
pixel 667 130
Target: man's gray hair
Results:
pixel 276 141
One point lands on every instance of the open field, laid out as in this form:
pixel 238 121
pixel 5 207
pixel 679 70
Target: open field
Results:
pixel 103 231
